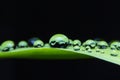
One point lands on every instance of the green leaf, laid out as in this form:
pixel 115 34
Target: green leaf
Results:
pixel 43 53
pixel 61 54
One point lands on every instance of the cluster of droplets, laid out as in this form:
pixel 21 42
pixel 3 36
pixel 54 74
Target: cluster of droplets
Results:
pixel 62 41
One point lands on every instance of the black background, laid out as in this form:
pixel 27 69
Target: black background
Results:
pixel 78 20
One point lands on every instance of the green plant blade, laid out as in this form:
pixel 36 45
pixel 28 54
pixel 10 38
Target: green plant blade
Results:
pixel 59 53
pixel 43 53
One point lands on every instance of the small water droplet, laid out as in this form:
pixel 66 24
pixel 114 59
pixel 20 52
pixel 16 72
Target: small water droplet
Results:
pixel 89 50
pixel 114 53
pixel 102 51
pixel 76 48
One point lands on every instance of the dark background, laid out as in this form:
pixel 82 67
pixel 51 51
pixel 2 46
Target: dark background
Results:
pixel 78 20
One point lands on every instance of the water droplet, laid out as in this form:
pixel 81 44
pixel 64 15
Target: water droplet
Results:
pixel 76 48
